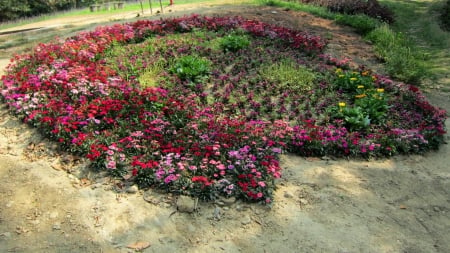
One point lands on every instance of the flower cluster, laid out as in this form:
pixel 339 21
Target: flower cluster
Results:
pixel 219 132
pixel 369 103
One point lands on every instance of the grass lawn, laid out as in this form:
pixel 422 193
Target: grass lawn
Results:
pixel 419 21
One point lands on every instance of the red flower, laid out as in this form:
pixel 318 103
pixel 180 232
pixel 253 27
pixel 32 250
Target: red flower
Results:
pixel 203 180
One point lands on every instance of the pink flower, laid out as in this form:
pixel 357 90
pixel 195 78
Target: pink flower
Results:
pixel 111 165
pixel 363 149
pixel 220 166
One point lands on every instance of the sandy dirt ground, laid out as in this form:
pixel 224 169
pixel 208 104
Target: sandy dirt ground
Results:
pixel 51 202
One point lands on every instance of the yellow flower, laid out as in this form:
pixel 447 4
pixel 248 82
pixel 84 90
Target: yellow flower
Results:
pixel 338 70
pixel 341 104
pixel 365 73
pixel 360 96
pixel 380 90
pixel 374 78
pixel 353 79
pixel 341 76
pixel 360 87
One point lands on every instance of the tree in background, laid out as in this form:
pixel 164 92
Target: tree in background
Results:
pixel 14 9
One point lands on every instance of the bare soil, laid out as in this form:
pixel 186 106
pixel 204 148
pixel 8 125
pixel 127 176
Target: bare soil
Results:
pixel 51 202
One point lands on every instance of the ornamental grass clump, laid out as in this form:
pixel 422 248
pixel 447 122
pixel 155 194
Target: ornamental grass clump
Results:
pixel 288 75
pixel 159 103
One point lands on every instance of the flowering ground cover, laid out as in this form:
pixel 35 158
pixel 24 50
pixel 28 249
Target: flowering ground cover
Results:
pixel 204 106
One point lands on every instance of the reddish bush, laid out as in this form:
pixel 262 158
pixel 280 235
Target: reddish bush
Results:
pixel 371 8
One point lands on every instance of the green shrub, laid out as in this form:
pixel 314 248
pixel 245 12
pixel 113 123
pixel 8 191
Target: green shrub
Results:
pixel 362 23
pixel 190 67
pixel 234 42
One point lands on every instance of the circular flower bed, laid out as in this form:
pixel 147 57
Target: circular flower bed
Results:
pixel 203 106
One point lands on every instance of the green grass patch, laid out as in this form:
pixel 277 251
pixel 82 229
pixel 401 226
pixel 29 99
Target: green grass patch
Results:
pixel 150 76
pixel 289 76
pixel 419 21
pixel 402 60
pixel 362 23
pixel 315 10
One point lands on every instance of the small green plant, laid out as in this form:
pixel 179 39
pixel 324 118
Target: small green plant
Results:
pixel 234 42
pixel 190 67
pixel 289 76
pixel 373 104
pixel 355 118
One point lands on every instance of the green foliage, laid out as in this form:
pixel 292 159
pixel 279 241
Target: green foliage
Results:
pixel 190 67
pixel 403 60
pixel 288 75
pixel 369 103
pixel 362 23
pixel 355 118
pixel 149 78
pixel 11 10
pixel 234 42
pixel 445 16
pixel 373 104
pixel 371 8
pixel 315 10
pixel 352 82
pixel 126 52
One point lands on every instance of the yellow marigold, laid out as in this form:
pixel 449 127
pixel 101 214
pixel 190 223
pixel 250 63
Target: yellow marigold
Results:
pixel 360 96
pixel 380 90
pixel 341 104
pixel 338 70
pixel 353 79
pixel 360 87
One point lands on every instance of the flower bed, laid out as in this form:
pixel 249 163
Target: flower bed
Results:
pixel 203 106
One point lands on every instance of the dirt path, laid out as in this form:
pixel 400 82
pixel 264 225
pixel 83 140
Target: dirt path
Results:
pixel 49 202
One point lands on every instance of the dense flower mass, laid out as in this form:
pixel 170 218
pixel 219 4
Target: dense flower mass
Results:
pixel 204 106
